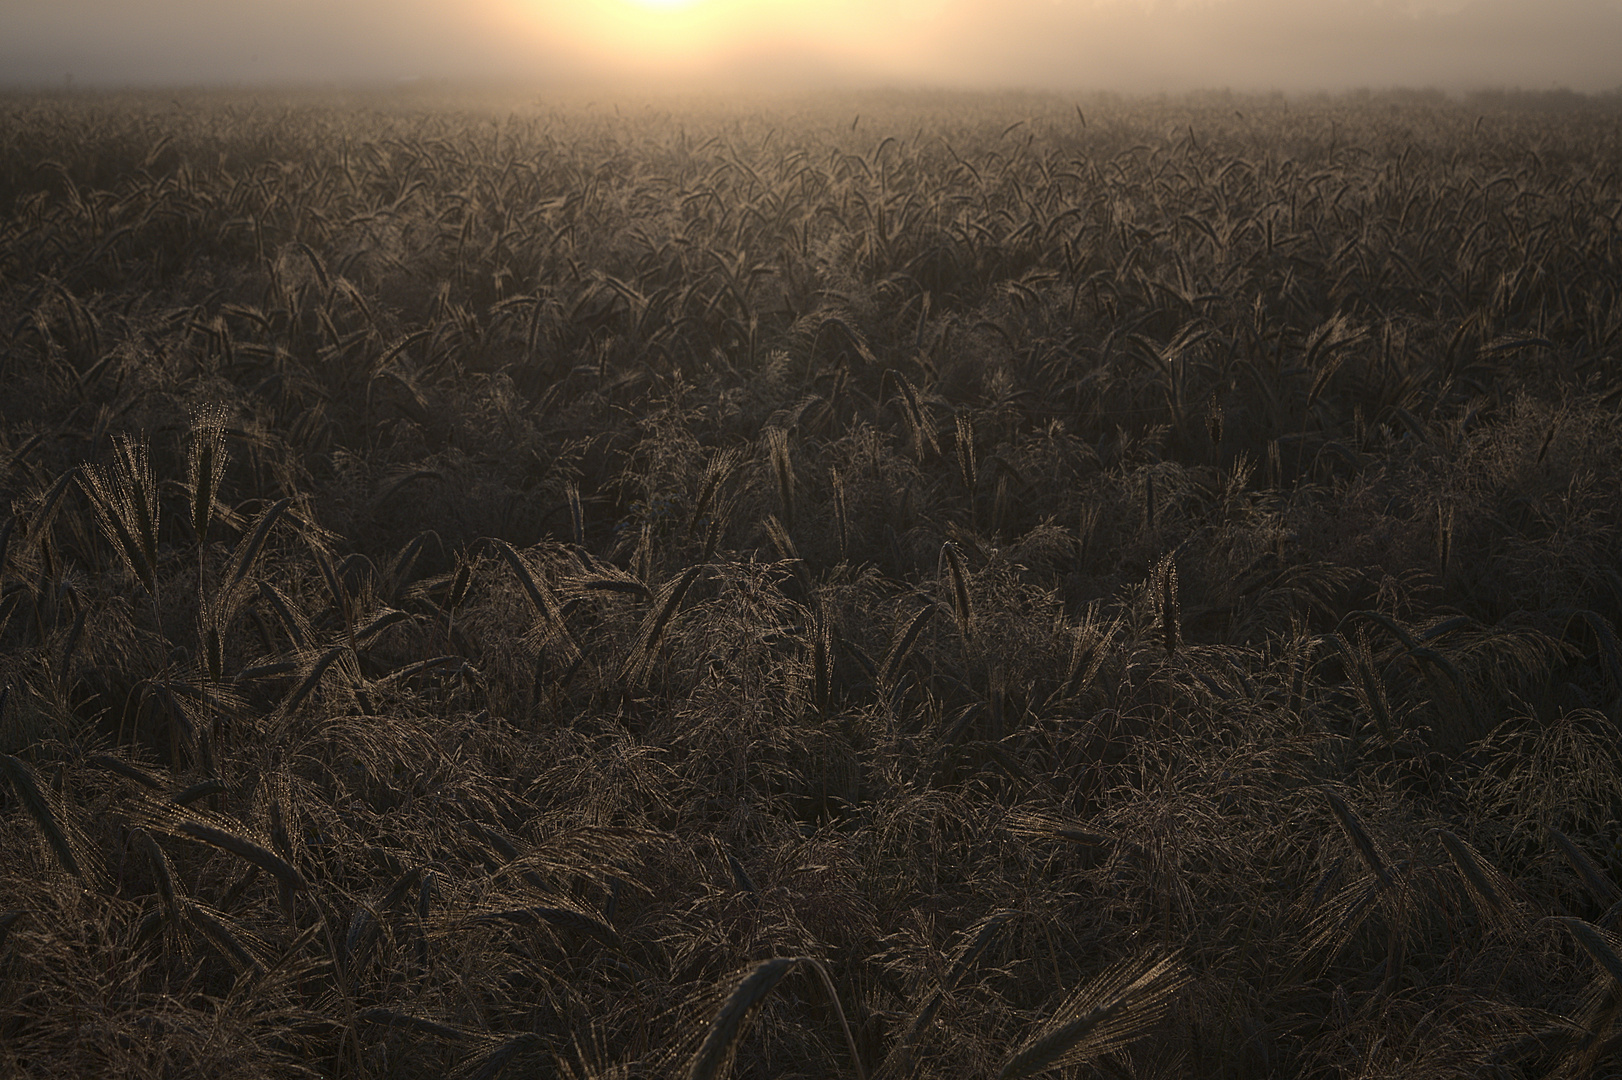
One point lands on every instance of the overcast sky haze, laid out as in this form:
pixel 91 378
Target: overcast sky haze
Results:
pixel 1128 45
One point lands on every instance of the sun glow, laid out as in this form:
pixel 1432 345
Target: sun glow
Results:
pixel 776 38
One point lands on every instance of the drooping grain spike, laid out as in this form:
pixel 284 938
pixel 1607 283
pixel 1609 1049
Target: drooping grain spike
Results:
pixel 962 606
pixel 1603 888
pixel 246 555
pixel 721 1039
pixel 39 808
pixel 244 849
pixel 1360 838
pixel 899 651
pixel 540 597
pixel 1170 613
pixel 647 646
pixel 1486 884
pixel 967 463
pixel 125 769
pixel 214 928
pixel 162 874
pixel 1116 1009
pixel 715 474
pixel 1596 943
pixel 205 467
pixel 312 679
pixel 783 470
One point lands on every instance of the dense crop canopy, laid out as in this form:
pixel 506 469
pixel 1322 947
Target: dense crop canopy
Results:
pixel 898 586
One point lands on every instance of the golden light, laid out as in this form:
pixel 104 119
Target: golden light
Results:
pixel 696 37
pixel 650 36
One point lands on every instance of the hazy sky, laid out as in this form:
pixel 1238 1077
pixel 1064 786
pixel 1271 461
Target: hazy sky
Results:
pixel 1131 45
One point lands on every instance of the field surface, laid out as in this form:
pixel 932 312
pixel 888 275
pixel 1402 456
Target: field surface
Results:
pixel 889 586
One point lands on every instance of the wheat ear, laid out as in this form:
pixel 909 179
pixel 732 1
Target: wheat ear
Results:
pixel 641 656
pixel 1596 943
pixel 1116 1009
pixel 205 467
pixel 1359 837
pixel 34 801
pixel 721 1040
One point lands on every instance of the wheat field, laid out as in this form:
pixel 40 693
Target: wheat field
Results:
pixel 880 586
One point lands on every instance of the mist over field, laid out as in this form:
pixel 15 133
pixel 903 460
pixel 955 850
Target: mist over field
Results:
pixel 1123 45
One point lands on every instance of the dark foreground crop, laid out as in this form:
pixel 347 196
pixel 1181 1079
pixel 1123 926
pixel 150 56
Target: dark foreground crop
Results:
pixel 1000 587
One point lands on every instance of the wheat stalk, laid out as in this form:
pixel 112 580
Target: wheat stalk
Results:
pixel 640 658
pixel 1353 827
pixel 1488 886
pixel 1114 1010
pixel 1596 943
pixel 715 1054
pixel 205 467
pixel 125 498
pixel 783 469
pixel 903 646
pixel 962 606
pixel 39 808
pixel 1603 888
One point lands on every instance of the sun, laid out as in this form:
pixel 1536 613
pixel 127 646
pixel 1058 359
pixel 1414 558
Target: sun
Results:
pixel 673 39
pixel 649 36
